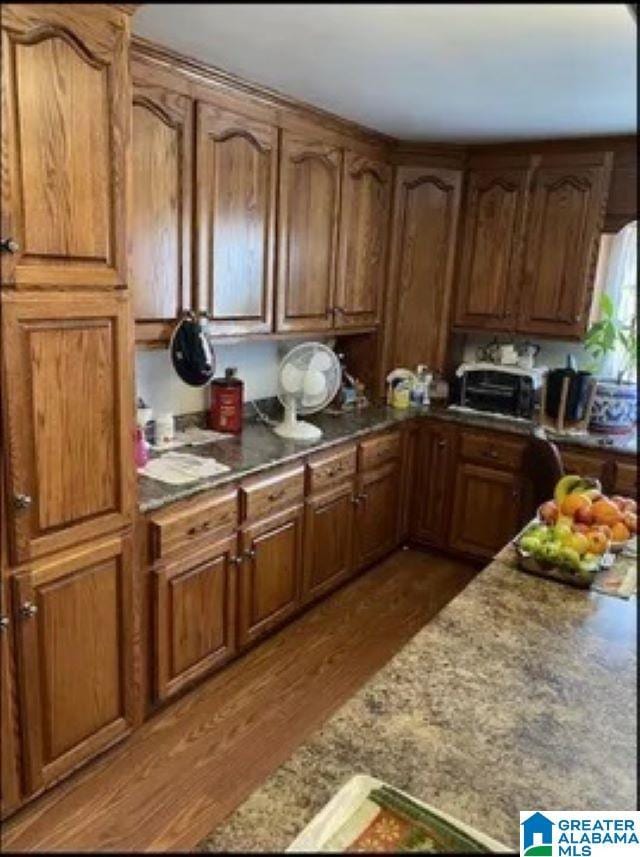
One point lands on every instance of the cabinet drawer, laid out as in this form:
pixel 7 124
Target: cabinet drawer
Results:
pixel 626 479
pixel 582 464
pixel 377 450
pixel 263 495
pixel 488 450
pixel 176 528
pixel 331 468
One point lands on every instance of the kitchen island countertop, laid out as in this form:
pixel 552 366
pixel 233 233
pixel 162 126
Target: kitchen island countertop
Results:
pixel 519 695
pixel 258 448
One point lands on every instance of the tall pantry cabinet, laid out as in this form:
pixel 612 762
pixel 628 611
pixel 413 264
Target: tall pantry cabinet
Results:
pixel 67 388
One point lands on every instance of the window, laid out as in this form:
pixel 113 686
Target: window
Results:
pixel 618 278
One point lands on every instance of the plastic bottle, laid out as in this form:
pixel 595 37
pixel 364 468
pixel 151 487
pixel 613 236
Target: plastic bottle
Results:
pixel 420 389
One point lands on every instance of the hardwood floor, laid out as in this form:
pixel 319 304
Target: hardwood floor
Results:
pixel 190 765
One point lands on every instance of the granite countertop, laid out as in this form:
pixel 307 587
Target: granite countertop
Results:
pixel 258 448
pixel 520 694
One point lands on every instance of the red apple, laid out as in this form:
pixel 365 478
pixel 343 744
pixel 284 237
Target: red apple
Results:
pixel 580 528
pixel 583 515
pixel 630 505
pixel 619 501
pixel 548 512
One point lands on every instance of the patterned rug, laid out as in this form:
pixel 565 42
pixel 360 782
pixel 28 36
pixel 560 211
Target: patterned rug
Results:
pixel 369 816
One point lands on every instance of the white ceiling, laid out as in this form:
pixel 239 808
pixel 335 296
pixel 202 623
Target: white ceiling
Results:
pixel 433 71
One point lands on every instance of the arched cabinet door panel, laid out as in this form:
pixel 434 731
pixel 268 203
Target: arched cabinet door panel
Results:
pixel 237 168
pixel 66 124
pixel 564 225
pixel 160 228
pixel 366 194
pixel 307 233
pixel 491 248
pixel 427 203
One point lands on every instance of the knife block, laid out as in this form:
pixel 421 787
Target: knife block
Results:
pixel 559 423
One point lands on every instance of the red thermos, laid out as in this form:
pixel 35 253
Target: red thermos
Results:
pixel 226 402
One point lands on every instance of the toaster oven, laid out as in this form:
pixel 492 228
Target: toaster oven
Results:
pixel 506 390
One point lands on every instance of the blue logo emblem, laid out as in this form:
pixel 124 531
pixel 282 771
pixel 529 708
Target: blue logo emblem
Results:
pixel 537 836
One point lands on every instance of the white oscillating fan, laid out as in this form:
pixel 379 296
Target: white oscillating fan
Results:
pixel 308 379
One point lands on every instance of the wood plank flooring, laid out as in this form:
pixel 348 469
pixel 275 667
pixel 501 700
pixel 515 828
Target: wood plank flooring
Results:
pixel 189 766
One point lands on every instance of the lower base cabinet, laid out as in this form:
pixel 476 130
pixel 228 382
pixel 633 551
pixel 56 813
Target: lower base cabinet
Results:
pixel 75 655
pixel 270 573
pixel 377 513
pixel 9 770
pixel 432 493
pixel 486 509
pixel 328 531
pixel 195 615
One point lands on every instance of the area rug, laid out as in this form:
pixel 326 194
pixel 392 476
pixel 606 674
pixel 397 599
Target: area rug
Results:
pixel 367 815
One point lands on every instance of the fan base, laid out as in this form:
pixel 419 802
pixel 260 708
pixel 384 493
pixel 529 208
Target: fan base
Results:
pixel 298 430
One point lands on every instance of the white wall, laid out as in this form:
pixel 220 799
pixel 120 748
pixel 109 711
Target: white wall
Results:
pixel 162 389
pixel 552 353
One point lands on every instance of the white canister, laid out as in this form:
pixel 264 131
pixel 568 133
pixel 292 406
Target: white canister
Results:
pixel 164 430
pixel 508 355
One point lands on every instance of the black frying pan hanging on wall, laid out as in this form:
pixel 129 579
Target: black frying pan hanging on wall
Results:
pixel 191 352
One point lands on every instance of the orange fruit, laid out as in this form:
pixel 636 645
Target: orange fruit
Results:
pixel 619 533
pixel 573 502
pixel 606 512
pixel 603 528
pixel 597 542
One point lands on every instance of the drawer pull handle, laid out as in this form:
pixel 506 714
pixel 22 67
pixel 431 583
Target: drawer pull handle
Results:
pixel 235 560
pixel 193 531
pixel 442 443
pixel 4 623
pixel 249 554
pixel 490 453
pixel 9 245
pixel 28 610
pixel 21 501
pixel 333 471
pixel 276 495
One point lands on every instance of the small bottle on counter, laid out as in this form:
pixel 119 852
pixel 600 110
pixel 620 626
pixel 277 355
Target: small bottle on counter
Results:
pixel 227 397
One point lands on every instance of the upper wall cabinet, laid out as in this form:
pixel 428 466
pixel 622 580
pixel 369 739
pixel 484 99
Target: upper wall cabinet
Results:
pixel 160 231
pixel 65 120
pixel 366 193
pixel 307 233
pixel 566 216
pixel 490 248
pixel 425 218
pixel 237 171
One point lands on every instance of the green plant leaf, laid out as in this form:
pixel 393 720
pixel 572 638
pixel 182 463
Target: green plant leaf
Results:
pixel 606 305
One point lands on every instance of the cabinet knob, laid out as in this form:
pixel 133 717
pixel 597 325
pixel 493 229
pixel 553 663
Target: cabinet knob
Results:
pixel 28 609
pixel 355 500
pixel 9 245
pixel 577 317
pixel 491 453
pixel 4 623
pixel 235 560
pixel 21 501
pixel 442 443
pixel 249 554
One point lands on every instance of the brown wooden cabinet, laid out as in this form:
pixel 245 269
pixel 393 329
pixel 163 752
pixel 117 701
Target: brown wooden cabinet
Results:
pixel 65 136
pixel 68 418
pixel 626 479
pixel 328 532
pixel 432 495
pixel 9 761
pixel 486 509
pixel 425 218
pixel 562 234
pixel 160 229
pixel 195 615
pixel 377 513
pixel 309 201
pixel 237 170
pixel 366 194
pixel 490 248
pixel 74 642
pixel 270 573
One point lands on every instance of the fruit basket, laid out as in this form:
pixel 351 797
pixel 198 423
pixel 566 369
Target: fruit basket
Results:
pixel 577 534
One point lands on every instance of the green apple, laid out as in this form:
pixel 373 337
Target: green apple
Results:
pixel 569 556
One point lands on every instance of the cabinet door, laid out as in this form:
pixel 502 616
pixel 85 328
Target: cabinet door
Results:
pixel 307 233
pixel 377 514
pixel 567 209
pixel 236 179
pixel 270 573
pixel 9 771
pixel 432 494
pixel 626 479
pixel 366 192
pixel 328 530
pixel 582 463
pixel 425 220
pixel 75 657
pixel 490 248
pixel 160 231
pixel 66 101
pixel 195 621
pixel 68 410
pixel 486 509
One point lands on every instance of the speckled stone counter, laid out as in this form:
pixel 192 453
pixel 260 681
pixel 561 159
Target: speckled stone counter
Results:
pixel 519 694
pixel 258 448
